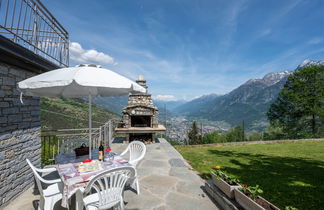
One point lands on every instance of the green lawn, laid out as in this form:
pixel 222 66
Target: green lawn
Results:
pixel 290 174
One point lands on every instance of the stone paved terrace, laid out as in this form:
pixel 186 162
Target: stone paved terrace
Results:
pixel 166 182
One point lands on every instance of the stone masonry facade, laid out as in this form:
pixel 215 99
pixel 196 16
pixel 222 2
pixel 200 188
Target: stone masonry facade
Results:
pixel 19 134
pixel 140 99
pixel 140 104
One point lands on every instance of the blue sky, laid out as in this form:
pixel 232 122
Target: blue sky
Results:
pixel 188 48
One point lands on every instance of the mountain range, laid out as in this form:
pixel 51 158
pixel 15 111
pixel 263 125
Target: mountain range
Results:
pixel 248 102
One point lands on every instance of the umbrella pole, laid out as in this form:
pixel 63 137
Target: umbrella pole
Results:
pixel 90 126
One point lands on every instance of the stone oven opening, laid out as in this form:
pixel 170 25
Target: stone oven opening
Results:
pixel 143 137
pixel 140 121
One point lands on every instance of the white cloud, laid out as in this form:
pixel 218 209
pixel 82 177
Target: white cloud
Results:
pixel 165 98
pixel 78 54
pixel 315 40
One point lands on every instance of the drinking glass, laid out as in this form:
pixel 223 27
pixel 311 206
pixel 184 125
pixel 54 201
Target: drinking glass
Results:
pixel 109 156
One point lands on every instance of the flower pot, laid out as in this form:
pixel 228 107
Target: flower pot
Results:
pixel 224 186
pixel 247 203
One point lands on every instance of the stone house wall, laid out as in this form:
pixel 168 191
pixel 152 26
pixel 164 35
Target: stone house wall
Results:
pixel 19 134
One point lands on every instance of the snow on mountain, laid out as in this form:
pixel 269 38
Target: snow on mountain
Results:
pixel 274 77
pixel 310 63
pixel 270 78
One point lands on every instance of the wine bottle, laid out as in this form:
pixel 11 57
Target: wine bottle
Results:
pixel 101 152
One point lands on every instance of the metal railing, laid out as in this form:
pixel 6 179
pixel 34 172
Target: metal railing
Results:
pixel 29 24
pixel 51 140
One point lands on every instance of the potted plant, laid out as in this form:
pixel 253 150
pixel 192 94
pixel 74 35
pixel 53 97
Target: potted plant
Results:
pixel 224 182
pixel 249 198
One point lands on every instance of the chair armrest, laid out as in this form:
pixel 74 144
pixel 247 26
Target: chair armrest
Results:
pixel 134 162
pixel 46 170
pixel 124 152
pixel 137 160
pixel 50 181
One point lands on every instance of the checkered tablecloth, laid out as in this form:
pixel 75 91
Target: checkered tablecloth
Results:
pixel 74 180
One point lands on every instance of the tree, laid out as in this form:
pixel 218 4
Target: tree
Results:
pixel 299 106
pixel 255 136
pixel 235 134
pixel 193 135
pixel 274 132
pixel 214 137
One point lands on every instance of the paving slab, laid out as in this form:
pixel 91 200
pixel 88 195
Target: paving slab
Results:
pixel 176 162
pixel 162 208
pixel 181 201
pixel 157 156
pixel 154 164
pixel 148 171
pixel 184 174
pixel 146 200
pixel 159 185
pixel 190 188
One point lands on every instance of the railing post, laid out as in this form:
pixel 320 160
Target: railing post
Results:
pixel 104 134
pixel 35 29
pixel 58 146
pixel 109 132
pixel 100 135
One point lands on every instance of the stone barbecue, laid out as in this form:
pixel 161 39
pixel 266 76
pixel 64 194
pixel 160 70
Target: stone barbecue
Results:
pixel 140 117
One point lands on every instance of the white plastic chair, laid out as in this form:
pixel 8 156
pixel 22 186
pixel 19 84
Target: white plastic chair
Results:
pixel 105 190
pixel 137 152
pixel 52 193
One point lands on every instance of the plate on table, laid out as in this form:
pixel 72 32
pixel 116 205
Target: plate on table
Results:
pixel 89 166
pixel 107 162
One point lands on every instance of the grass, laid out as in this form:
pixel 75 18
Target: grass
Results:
pixel 290 174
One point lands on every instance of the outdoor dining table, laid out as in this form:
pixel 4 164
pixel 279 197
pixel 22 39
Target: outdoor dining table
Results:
pixel 73 179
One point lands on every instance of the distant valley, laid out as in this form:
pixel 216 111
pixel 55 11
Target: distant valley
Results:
pixel 249 102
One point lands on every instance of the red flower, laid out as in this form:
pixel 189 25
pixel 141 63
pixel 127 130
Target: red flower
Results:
pixel 108 150
pixel 86 161
pixel 245 186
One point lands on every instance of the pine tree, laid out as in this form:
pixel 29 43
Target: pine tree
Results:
pixel 300 104
pixel 193 135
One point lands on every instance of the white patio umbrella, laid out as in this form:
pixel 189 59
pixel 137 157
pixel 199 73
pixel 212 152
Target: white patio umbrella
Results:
pixel 80 81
